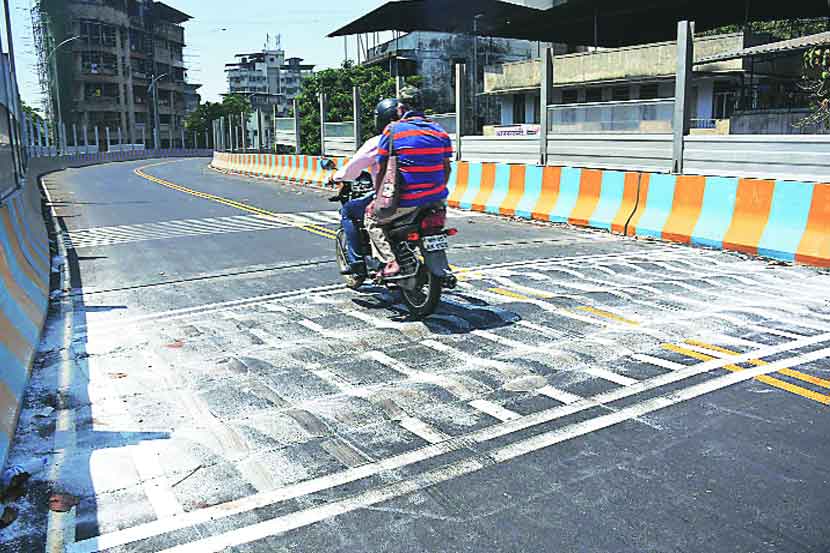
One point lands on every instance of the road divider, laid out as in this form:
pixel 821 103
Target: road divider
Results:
pixel 785 220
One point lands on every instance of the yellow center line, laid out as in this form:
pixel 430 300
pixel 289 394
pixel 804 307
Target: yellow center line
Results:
pixel 314 229
pixel 508 293
pixel 607 315
pixel 798 375
pixel 766 379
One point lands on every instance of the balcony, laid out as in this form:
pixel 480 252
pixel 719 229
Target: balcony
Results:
pixel 646 61
pixel 173 33
pixel 98 103
pixel 99 69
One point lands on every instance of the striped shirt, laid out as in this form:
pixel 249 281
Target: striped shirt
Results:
pixel 421 146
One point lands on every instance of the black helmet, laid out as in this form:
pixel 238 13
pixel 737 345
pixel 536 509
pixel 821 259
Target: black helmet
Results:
pixel 385 112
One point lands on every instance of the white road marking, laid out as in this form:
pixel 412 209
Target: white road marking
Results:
pixel 60 530
pixel 311 325
pixel 493 337
pixel 610 376
pixel 121 234
pixel 338 382
pixel 658 362
pixel 156 485
pixel 118 324
pixel 559 395
pixel 494 410
pixel 263 499
pixel 725 339
pixel 544 330
pixel 306 517
pixel 324 217
pixel 453 386
pixel 423 430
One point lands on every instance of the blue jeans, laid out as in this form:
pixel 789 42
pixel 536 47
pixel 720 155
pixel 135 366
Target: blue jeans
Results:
pixel 352 211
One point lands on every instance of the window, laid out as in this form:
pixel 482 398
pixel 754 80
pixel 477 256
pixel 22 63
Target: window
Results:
pixel 621 93
pixel 649 91
pixel 101 91
pixel 593 95
pixel 724 100
pixel 518 109
pixel 570 96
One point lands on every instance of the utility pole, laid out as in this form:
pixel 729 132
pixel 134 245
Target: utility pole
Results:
pixel 54 64
pixel 156 120
pixel 475 70
pixel 357 131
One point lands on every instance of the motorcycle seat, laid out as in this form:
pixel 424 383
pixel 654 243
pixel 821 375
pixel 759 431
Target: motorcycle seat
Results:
pixel 410 219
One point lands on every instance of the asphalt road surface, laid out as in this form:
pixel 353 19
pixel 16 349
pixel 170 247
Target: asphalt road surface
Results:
pixel 206 384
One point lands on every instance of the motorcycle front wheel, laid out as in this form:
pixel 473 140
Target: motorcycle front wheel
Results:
pixel 352 281
pixel 423 298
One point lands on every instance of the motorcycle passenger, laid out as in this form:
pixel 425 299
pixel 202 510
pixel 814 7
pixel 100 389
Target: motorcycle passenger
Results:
pixel 424 150
pixel 365 159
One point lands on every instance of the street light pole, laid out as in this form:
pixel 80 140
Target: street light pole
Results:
pixel 156 124
pixel 51 62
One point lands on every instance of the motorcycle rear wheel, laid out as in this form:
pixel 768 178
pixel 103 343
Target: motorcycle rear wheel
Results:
pixel 352 281
pixel 422 300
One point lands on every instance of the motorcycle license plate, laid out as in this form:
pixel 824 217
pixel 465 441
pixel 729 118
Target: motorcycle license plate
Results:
pixel 435 243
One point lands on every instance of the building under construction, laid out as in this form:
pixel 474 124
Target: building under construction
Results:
pixel 97 60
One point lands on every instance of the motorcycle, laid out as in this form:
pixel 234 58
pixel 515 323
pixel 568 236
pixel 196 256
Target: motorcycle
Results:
pixel 419 241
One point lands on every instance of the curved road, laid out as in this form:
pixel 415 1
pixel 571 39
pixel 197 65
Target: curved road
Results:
pixel 206 384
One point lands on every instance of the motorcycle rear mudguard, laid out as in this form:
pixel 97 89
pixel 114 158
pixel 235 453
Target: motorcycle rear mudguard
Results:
pixel 437 263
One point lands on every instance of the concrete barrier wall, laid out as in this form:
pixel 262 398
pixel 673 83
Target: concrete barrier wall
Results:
pixel 786 220
pixel 77 160
pixel 24 296
pixel 294 168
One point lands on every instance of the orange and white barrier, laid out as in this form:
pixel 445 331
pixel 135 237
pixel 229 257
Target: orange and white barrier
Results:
pixel 785 220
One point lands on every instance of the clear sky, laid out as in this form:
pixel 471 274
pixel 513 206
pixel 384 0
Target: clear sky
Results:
pixel 221 28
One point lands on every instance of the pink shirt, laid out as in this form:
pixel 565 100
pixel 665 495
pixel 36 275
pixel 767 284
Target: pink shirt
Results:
pixel 363 159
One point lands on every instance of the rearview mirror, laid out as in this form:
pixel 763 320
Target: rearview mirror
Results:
pixel 327 164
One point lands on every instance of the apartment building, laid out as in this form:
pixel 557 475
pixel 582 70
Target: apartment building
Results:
pixel 100 77
pixel 268 78
pixel 270 81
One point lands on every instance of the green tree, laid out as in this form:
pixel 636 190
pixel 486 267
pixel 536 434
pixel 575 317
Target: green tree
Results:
pixel 781 29
pixel 201 119
pixel 373 82
pixel 234 104
pixel 817 83
pixel 32 113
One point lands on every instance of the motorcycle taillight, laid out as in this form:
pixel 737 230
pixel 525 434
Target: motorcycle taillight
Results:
pixel 434 220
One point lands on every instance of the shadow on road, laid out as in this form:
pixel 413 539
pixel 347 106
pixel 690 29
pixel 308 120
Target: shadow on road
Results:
pixel 456 314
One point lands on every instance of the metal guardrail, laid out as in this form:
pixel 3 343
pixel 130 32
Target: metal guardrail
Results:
pixel 792 157
pixel 285 124
pixel 513 149
pixel 340 146
pixel 632 116
pixel 284 132
pixel 446 120
pixel 696 123
pixel 340 130
pixel 637 152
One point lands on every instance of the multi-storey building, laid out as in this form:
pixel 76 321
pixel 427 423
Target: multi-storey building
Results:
pixel 267 78
pixel 270 82
pixel 102 77
pixel 432 56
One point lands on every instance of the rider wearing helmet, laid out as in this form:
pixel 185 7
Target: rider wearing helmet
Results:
pixel 364 159
pixel 423 150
